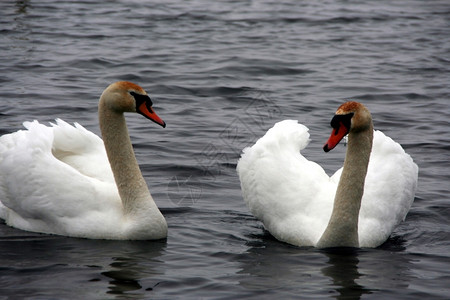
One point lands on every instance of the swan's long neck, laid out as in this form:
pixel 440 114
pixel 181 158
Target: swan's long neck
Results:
pixel 132 187
pixel 342 229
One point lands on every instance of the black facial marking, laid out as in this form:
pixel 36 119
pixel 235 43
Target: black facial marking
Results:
pixel 141 98
pixel 346 120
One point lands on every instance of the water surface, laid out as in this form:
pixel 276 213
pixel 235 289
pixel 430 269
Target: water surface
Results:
pixel 220 75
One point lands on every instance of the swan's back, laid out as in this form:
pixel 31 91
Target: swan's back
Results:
pixel 291 195
pixel 389 190
pixel 74 145
pixel 43 164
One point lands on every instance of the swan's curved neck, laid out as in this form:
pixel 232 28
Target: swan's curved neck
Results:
pixel 132 187
pixel 342 229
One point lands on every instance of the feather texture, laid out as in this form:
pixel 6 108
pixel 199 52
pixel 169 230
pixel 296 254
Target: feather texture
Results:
pixel 293 197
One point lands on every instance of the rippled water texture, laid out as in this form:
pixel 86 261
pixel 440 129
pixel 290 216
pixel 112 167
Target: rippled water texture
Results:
pixel 220 74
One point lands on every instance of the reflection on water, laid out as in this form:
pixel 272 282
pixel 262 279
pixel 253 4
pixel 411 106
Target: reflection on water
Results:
pixel 22 6
pixel 269 266
pixel 125 275
pixel 129 273
pixel 343 270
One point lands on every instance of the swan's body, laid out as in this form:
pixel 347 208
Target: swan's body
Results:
pixel 295 199
pixel 62 180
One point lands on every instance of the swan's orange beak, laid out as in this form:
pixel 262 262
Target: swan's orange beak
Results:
pixel 149 113
pixel 336 136
pixel 341 124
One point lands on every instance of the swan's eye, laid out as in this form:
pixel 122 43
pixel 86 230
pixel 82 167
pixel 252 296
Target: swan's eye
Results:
pixel 141 98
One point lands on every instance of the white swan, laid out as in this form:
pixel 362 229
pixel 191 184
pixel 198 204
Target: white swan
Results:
pixel 60 179
pixel 300 204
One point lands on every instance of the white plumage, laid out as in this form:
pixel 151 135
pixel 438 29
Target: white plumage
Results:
pixel 293 197
pixel 58 179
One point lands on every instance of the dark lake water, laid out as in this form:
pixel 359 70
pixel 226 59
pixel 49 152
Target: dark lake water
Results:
pixel 221 73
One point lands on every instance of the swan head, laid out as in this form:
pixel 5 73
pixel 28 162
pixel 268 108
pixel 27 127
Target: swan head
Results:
pixel 125 96
pixel 351 117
